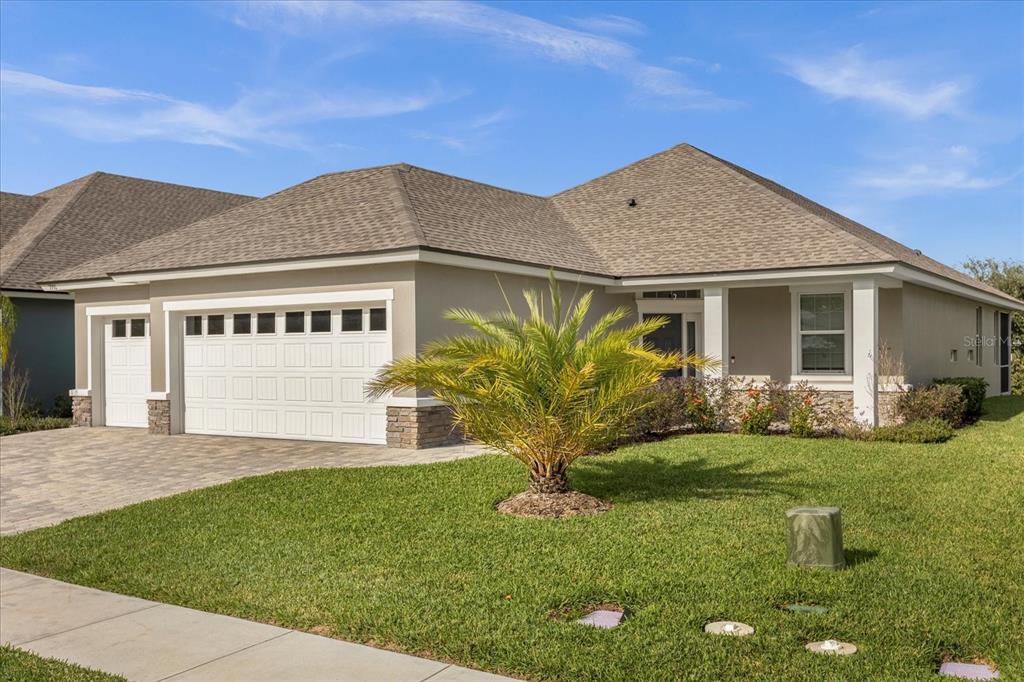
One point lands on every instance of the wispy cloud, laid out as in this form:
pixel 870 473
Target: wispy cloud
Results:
pixel 111 114
pixel 23 81
pixel 953 168
pixel 610 23
pixel 710 67
pixel 497 26
pixel 469 136
pixel 848 74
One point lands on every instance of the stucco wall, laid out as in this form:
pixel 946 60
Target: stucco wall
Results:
pixel 759 332
pixel 760 329
pixel 441 287
pixel 43 345
pixel 890 324
pixel 128 295
pixel 934 323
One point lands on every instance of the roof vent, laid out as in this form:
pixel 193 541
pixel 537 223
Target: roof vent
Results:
pixel 918 252
pixel 632 203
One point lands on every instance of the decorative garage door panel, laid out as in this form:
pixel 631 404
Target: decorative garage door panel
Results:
pixel 126 372
pixel 299 385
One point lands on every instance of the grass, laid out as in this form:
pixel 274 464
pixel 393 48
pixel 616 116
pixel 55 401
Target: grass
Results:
pixel 21 666
pixel 415 558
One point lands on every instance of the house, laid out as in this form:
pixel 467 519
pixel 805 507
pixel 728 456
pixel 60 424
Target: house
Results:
pixel 67 225
pixel 267 319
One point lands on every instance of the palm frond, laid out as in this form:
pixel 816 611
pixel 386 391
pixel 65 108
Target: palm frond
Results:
pixel 542 388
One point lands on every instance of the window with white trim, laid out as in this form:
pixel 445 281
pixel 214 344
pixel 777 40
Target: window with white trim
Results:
pixel 822 333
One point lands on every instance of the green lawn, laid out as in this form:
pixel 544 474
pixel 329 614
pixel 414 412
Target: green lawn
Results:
pixel 415 558
pixel 21 666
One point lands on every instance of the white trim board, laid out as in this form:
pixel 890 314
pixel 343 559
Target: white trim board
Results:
pixel 131 309
pixel 895 271
pixel 408 256
pixel 55 296
pixel 281 300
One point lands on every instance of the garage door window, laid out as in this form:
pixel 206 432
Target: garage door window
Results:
pixel 138 327
pixel 194 325
pixel 120 327
pixel 215 325
pixel 352 320
pixel 241 323
pixel 378 319
pixel 295 323
pixel 320 321
pixel 265 323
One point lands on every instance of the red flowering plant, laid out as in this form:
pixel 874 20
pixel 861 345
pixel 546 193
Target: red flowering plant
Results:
pixel 701 415
pixel 757 416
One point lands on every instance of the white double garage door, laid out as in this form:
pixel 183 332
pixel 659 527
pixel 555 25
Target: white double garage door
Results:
pixel 298 374
pixel 289 373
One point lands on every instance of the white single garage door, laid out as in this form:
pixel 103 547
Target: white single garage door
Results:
pixel 126 362
pixel 298 374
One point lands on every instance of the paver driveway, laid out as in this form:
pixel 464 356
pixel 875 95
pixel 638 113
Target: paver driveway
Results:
pixel 49 476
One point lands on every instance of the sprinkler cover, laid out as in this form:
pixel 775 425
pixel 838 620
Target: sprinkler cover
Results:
pixel 814 538
pixel 832 647
pixel 968 671
pixel 602 618
pixel 729 627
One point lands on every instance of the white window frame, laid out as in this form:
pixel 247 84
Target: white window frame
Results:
pixel 796 334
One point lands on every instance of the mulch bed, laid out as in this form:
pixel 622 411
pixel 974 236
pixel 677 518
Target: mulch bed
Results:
pixel 552 505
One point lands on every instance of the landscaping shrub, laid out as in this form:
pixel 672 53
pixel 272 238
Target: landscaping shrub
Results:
pixel 974 389
pixel 708 403
pixel 932 430
pixel 61 406
pixel 24 424
pixel 758 414
pixel 665 409
pixel 945 401
pixel 802 418
pixel 681 403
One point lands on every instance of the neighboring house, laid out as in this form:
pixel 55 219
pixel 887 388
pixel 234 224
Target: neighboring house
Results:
pixel 267 320
pixel 70 224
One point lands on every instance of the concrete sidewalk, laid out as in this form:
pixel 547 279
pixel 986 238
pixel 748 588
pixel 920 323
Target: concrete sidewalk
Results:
pixel 146 640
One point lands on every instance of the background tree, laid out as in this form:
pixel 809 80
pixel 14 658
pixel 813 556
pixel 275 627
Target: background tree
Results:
pixel 540 388
pixel 8 322
pixel 1008 277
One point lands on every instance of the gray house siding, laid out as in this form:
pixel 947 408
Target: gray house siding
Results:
pixel 44 344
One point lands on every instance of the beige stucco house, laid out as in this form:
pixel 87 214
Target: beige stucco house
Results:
pixel 64 226
pixel 267 319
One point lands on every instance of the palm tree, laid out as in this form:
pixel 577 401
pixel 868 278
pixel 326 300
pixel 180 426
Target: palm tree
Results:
pixel 540 388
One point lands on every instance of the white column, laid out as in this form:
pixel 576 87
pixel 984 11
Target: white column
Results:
pixel 865 351
pixel 716 326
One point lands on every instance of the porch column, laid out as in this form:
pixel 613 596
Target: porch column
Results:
pixel 716 326
pixel 865 351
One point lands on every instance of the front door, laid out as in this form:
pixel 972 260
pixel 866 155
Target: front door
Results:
pixel 680 335
pixel 669 338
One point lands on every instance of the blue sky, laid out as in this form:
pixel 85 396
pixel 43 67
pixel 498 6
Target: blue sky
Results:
pixel 907 117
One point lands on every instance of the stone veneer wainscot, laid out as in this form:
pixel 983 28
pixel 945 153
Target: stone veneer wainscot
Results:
pixel 421 427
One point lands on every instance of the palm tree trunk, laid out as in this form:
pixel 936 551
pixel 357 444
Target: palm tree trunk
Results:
pixel 549 483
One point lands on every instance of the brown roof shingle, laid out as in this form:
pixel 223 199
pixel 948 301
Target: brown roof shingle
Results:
pixel 15 210
pixel 96 215
pixel 694 214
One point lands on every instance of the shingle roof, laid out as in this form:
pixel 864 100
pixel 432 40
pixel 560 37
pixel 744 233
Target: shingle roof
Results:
pixel 694 214
pixel 96 215
pixel 371 210
pixel 15 210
